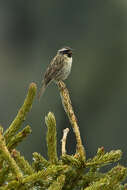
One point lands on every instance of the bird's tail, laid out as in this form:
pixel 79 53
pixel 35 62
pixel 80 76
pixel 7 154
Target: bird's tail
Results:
pixel 41 92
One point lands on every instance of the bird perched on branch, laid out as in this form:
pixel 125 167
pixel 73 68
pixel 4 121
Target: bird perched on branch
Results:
pixel 58 69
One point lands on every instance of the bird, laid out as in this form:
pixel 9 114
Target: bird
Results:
pixel 58 69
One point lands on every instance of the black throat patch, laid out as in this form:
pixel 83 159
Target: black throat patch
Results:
pixel 68 52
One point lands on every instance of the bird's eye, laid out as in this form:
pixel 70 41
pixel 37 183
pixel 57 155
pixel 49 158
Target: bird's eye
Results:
pixel 65 51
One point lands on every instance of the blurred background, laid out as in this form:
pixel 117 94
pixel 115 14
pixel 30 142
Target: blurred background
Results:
pixel 30 34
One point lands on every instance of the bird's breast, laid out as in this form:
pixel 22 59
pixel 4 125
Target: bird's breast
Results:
pixel 67 68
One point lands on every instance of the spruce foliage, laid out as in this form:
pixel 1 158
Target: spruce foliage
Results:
pixel 69 172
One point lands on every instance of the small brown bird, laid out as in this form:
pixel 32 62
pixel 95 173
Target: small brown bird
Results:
pixel 59 68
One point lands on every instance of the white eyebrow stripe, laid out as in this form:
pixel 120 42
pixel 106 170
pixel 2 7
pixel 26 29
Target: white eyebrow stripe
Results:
pixel 63 49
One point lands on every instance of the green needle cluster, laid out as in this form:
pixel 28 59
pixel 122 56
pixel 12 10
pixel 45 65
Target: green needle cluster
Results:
pixel 67 172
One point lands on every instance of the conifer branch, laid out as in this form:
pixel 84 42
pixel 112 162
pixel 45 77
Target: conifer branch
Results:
pixel 65 132
pixel 16 124
pixel 51 137
pixel 12 185
pixel 69 172
pixel 58 184
pixel 22 163
pixel 43 174
pixel 39 162
pixel 34 178
pixel 102 159
pixel 66 101
pixel 4 174
pixel 5 155
pixel 72 161
pixel 14 141
pixel 111 180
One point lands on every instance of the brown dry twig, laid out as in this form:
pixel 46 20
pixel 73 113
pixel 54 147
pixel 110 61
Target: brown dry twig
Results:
pixel 65 132
pixel 66 101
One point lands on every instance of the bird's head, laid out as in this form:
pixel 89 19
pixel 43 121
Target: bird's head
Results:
pixel 67 51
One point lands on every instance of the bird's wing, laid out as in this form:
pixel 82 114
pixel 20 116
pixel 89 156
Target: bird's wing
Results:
pixel 53 69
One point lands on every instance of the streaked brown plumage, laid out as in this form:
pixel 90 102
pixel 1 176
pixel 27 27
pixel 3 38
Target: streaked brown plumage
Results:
pixel 58 69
